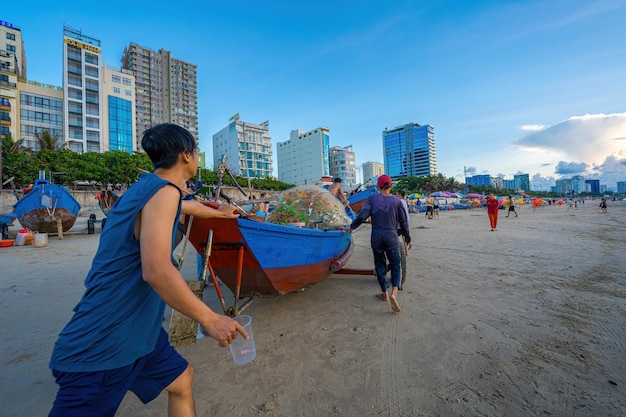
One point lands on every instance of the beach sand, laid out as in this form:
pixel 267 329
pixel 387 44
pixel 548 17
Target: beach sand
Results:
pixel 525 321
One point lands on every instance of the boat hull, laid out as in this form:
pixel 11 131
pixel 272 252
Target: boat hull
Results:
pixel 46 204
pixel 274 259
pixel 106 200
pixel 357 201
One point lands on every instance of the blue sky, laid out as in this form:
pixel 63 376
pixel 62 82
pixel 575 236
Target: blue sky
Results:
pixel 509 86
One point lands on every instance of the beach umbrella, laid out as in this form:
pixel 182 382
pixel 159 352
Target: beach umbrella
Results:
pixel 459 195
pixel 443 194
pixel 415 195
pixel 474 195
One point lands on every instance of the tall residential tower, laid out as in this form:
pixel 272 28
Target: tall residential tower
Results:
pixel 166 89
pixel 82 115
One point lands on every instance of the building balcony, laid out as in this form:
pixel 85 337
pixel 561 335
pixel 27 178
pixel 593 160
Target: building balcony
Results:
pixel 7 84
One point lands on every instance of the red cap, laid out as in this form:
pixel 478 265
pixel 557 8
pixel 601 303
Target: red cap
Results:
pixel 384 180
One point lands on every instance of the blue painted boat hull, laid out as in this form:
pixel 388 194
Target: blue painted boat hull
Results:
pixel 275 259
pixel 44 205
pixel 357 201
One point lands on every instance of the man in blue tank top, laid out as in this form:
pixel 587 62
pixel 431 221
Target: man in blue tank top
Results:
pixel 115 342
pixel 387 213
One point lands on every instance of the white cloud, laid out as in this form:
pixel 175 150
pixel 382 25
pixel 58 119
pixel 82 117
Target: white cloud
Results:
pixel 595 145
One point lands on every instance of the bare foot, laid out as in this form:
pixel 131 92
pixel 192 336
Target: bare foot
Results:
pixel 383 296
pixel 394 305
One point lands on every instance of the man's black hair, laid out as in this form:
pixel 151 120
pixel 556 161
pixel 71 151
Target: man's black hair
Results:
pixel 164 142
pixel 337 179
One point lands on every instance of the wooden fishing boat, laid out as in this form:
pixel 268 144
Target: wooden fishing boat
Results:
pixel 357 200
pixel 47 207
pixel 269 259
pixel 106 199
pixel 254 258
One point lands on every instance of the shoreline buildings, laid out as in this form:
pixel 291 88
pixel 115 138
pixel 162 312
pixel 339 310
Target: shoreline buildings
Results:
pixel 305 157
pixel 342 164
pixel 82 115
pixel 165 89
pixel 246 146
pixel 372 170
pixel 409 151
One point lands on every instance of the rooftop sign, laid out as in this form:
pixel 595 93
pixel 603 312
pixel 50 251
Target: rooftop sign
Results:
pixel 82 45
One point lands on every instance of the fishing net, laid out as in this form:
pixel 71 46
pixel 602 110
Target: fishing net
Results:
pixel 309 206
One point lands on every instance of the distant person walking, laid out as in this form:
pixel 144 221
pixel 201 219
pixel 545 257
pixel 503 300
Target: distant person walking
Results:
pixel 386 212
pixel 603 205
pixel 511 204
pixel 492 211
pixel 429 207
pixel 403 245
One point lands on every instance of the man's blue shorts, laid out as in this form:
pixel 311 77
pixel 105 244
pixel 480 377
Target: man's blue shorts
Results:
pixel 100 393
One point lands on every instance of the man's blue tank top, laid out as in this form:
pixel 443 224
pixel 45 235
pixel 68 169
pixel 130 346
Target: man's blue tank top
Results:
pixel 119 316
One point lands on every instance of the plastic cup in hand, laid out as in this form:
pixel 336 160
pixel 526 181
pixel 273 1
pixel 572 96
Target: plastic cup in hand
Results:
pixel 243 350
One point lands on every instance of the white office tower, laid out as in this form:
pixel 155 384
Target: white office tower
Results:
pixel 81 87
pixel 342 165
pixel 246 146
pixel 304 158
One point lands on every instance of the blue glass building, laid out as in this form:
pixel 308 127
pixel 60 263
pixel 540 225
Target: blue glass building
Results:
pixel 409 150
pixel 477 180
pixel 120 124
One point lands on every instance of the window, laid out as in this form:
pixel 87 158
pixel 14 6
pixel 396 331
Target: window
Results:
pixel 128 93
pixel 116 78
pixel 10 36
pixel 11 48
pixel 116 90
pixel 126 81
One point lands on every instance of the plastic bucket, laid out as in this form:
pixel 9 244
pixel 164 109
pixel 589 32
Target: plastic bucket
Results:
pixel 41 240
pixel 20 239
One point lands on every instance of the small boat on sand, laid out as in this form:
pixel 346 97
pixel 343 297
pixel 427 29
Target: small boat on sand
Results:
pixel 46 207
pixel 254 258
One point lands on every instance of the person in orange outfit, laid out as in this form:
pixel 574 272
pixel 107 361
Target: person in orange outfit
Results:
pixel 492 211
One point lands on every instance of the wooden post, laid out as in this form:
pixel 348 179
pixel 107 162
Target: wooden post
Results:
pixel 60 228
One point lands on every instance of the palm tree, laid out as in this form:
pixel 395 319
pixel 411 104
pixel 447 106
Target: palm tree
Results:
pixel 47 141
pixel 11 146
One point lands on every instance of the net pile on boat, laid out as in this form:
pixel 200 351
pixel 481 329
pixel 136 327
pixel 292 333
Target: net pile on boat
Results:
pixel 309 206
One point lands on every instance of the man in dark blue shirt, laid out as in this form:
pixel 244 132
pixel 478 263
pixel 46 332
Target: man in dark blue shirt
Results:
pixel 387 213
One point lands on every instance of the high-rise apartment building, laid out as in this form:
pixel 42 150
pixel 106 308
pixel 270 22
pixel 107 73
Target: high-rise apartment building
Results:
pixel 342 165
pixel 12 53
pixel 409 150
pixel 118 109
pixel 82 114
pixel 246 146
pixel 166 89
pixel 304 158
pixel 372 170
pixel 12 69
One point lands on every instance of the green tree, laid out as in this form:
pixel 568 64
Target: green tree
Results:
pixel 11 146
pixel 47 141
